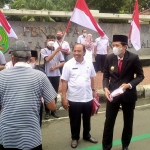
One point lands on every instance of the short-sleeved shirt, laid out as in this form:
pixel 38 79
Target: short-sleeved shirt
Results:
pixel 45 52
pixel 21 90
pixel 78 76
pixel 65 45
pixel 102 45
pixel 81 39
pixel 2 59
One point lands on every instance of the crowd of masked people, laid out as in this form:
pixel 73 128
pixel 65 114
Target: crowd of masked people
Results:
pixel 25 86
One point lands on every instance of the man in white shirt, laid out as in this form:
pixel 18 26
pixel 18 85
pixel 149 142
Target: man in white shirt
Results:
pixel 100 52
pixel 64 44
pixel 78 82
pixel 81 38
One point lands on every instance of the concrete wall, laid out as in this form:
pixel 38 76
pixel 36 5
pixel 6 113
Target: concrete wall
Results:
pixel 34 33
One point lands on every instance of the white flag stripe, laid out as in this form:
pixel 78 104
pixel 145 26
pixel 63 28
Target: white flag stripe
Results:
pixel 82 19
pixel 79 17
pixel 135 34
pixel 12 33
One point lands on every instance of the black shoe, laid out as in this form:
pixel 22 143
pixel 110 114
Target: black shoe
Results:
pixel 92 140
pixel 74 143
pixel 53 113
pixel 125 148
pixel 47 116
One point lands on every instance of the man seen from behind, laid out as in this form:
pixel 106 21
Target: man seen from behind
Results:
pixel 21 90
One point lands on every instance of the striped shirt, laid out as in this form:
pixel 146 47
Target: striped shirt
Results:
pixel 21 89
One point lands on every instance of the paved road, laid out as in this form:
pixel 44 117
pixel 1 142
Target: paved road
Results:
pixel 56 132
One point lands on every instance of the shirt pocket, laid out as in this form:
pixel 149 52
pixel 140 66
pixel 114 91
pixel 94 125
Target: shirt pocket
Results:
pixel 86 73
pixel 75 72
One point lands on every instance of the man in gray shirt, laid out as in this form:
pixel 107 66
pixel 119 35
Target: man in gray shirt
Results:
pixel 2 61
pixel 54 60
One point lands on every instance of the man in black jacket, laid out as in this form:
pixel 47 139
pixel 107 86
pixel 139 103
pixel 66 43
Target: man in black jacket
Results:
pixel 119 72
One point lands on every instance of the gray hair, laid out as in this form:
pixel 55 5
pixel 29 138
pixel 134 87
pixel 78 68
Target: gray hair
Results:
pixel 21 55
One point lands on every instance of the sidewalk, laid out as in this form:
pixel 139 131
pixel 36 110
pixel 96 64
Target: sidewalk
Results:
pixel 56 132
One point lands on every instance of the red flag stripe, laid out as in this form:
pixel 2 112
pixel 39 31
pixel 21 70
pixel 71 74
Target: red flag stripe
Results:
pixel 83 7
pixel 4 23
pixel 134 34
pixel 136 15
pixel 135 18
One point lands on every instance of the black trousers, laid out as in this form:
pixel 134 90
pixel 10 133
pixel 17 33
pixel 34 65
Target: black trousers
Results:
pixel 77 109
pixel 55 83
pixel 99 62
pixel 36 148
pixel 111 114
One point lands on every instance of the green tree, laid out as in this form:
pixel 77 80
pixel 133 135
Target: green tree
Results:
pixel 3 2
pixel 104 6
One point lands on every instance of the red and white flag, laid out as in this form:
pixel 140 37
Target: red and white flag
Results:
pixel 134 34
pixel 82 16
pixel 4 23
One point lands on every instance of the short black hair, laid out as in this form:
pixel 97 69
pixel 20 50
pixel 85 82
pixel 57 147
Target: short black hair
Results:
pixel 82 46
pixel 83 30
pixel 50 37
pixel 34 53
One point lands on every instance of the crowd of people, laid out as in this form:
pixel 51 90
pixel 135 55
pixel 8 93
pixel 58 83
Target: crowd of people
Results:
pixel 22 98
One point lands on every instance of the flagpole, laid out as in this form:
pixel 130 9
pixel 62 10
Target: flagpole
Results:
pixel 66 31
pixel 67 28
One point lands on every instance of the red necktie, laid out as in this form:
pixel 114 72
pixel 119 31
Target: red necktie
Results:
pixel 119 65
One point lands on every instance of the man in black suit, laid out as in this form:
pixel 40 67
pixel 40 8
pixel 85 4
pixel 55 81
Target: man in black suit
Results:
pixel 122 69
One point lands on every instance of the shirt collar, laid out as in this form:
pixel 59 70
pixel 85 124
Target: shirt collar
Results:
pixel 22 64
pixel 78 62
pixel 120 58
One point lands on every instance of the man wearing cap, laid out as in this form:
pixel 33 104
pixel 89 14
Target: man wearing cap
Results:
pixel 119 72
pixel 2 61
pixel 21 90
pixel 54 60
pixel 64 44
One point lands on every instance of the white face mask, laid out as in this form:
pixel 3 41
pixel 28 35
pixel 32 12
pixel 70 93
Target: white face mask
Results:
pixel 84 34
pixel 50 43
pixel 32 65
pixel 117 51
